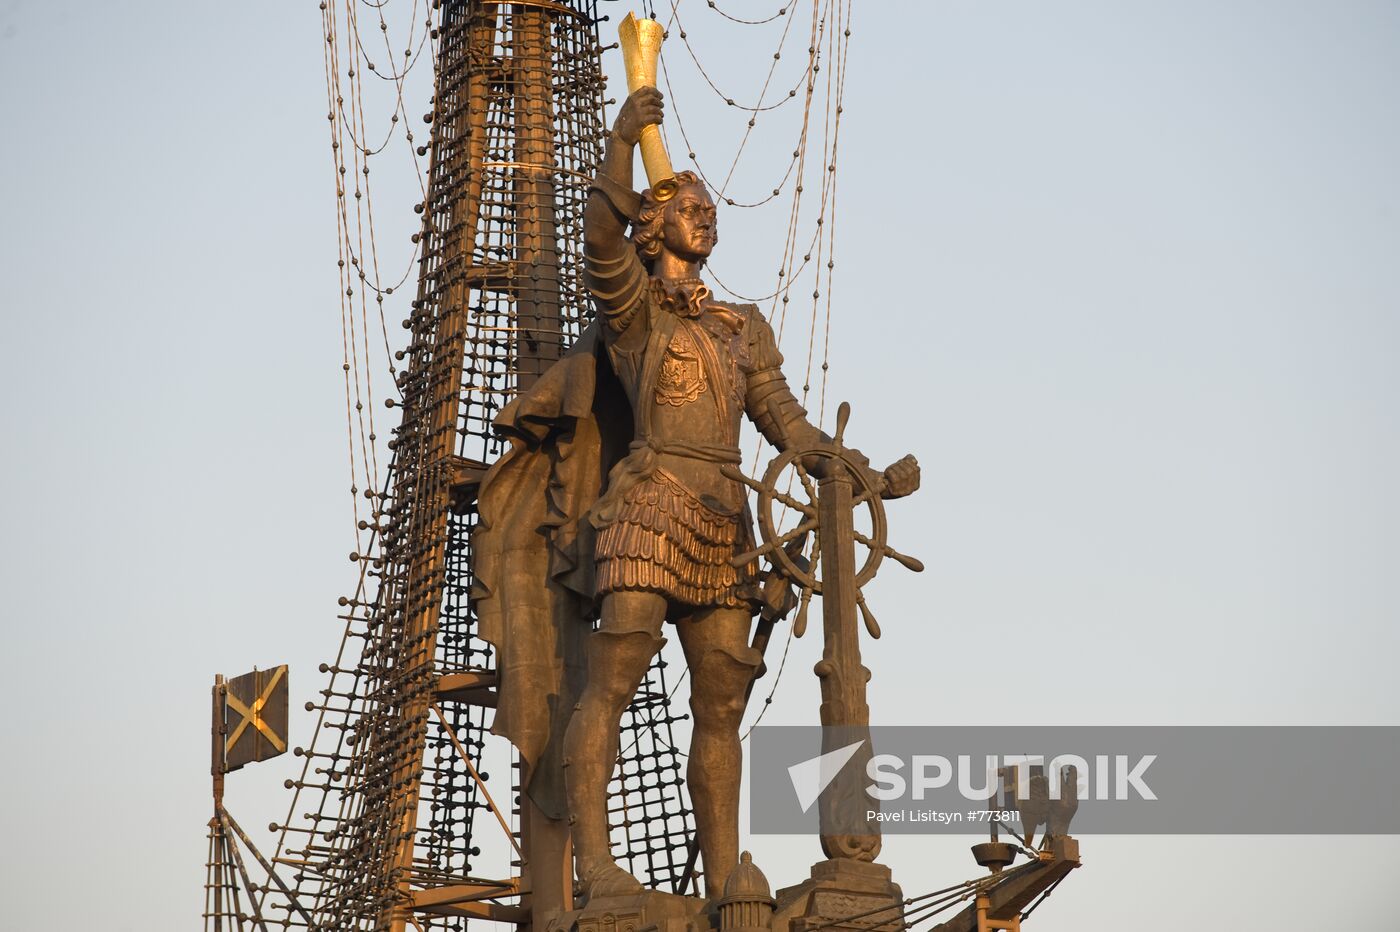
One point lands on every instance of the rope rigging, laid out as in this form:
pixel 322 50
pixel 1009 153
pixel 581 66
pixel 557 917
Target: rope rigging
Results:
pixel 346 59
pixel 745 22
pixel 381 829
pixel 369 120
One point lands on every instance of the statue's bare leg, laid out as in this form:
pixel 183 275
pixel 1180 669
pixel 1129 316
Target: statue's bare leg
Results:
pixel 722 664
pixel 619 654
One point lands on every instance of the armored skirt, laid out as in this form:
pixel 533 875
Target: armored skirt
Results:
pixel 667 541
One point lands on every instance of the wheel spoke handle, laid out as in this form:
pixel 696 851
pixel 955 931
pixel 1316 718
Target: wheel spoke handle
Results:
pixel 730 471
pixel 799 623
pixel 904 560
pixel 871 624
pixel 843 414
pixel 744 559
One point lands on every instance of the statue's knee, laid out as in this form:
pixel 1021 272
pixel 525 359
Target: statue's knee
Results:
pixel 720 684
pixel 625 612
pixel 617 660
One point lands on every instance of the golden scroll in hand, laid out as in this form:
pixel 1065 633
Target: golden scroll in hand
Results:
pixel 640 40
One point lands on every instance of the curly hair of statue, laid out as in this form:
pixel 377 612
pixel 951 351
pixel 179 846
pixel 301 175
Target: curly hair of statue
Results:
pixel 647 229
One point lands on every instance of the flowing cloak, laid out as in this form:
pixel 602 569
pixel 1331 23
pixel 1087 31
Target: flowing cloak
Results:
pixel 533 550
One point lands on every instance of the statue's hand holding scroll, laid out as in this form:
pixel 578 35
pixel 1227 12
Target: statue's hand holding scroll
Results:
pixel 642 108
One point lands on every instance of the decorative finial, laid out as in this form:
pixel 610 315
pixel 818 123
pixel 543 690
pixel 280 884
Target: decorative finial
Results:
pixel 748 902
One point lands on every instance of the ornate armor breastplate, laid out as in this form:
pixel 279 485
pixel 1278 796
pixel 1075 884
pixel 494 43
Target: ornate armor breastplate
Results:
pixel 682 378
pixel 702 350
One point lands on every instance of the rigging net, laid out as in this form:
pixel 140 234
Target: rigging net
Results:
pixel 393 781
pixel 387 801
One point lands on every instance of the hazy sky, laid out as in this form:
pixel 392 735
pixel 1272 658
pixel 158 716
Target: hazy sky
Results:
pixel 1122 274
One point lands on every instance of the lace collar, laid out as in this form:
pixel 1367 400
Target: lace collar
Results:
pixel 684 297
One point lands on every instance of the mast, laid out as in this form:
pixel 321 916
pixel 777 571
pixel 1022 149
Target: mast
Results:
pixel 427 439
pixel 538 326
pixel 393 774
pixel 383 830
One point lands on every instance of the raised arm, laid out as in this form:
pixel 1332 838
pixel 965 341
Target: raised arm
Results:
pixel 612 271
pixel 612 200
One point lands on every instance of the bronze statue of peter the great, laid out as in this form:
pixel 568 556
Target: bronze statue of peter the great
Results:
pixel 611 505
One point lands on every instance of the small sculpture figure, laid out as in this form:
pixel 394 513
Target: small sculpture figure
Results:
pixel 611 503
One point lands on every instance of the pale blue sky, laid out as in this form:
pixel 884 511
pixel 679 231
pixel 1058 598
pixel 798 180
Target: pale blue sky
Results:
pixel 1122 274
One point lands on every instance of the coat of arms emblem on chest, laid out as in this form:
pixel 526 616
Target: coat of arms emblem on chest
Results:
pixel 682 376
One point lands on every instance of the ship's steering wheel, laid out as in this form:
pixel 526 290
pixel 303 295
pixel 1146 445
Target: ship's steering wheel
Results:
pixel 783 548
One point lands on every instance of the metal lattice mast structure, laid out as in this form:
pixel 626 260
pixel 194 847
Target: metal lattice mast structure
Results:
pixel 381 829
pixel 222 907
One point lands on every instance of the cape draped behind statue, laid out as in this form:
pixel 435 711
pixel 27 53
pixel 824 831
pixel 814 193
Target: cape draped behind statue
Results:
pixel 533 552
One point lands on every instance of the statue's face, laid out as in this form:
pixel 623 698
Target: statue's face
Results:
pixel 688 224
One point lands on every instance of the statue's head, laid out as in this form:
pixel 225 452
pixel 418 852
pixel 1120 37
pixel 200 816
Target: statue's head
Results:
pixel 683 226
